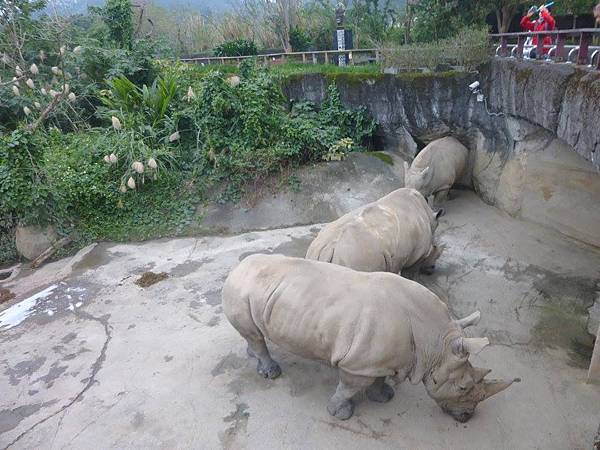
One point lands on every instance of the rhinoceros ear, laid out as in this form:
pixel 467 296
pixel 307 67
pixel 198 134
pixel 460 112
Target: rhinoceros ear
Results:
pixel 426 174
pixel 471 319
pixel 463 346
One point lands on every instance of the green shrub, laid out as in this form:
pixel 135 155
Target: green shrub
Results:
pixel 244 131
pixel 239 47
pixel 24 194
pixel 470 47
pixel 86 192
pixel 299 39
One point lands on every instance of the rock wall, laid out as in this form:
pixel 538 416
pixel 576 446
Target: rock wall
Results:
pixel 561 98
pixel 534 144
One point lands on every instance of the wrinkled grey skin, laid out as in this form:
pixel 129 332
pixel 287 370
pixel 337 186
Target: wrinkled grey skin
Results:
pixel 436 168
pixel 369 325
pixel 388 235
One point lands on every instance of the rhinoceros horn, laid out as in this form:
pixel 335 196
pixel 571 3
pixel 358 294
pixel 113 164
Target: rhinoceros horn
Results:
pixel 479 374
pixel 471 319
pixel 493 387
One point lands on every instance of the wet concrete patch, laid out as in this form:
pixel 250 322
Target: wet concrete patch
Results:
pixel 229 362
pixel 11 418
pixel 138 420
pixel 214 321
pixel 69 337
pixel 55 371
pixel 98 257
pixel 188 267
pixel 24 369
pixel 213 298
pixel 294 247
pixel 239 420
pixel 563 303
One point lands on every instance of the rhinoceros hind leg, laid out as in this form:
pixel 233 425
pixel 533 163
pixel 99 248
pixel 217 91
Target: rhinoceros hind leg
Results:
pixel 266 367
pixel 380 391
pixel 340 404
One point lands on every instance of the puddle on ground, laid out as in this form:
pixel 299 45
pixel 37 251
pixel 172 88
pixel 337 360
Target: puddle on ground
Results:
pixel 563 303
pixel 150 278
pixel 98 257
pixel 188 267
pixel 294 247
pixel 56 298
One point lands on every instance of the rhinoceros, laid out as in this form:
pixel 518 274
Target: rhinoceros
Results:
pixel 387 235
pixel 436 168
pixel 369 325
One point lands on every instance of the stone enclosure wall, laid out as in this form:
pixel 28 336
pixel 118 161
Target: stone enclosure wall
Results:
pixel 534 148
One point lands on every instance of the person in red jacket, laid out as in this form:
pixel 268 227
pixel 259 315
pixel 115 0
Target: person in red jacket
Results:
pixel 545 22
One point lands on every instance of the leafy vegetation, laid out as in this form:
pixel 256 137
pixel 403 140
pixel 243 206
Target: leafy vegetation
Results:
pixel 469 48
pixel 105 148
pixel 238 47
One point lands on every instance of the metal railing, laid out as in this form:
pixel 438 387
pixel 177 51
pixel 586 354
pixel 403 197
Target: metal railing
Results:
pixel 353 57
pixel 582 53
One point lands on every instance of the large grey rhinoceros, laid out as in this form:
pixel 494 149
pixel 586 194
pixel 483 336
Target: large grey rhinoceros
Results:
pixel 368 324
pixel 387 235
pixel 437 167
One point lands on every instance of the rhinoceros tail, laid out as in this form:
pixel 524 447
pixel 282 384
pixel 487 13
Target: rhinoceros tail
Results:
pixel 321 251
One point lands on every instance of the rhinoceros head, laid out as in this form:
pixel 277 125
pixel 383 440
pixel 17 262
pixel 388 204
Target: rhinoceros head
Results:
pixel 457 386
pixel 418 179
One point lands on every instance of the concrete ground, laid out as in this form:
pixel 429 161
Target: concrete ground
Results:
pixel 96 361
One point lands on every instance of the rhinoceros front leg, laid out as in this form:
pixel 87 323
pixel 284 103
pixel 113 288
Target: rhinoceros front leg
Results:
pixel 380 391
pixel 340 404
pixel 266 367
pixel 440 197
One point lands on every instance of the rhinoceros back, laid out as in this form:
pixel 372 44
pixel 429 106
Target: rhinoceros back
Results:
pixel 357 321
pixel 386 235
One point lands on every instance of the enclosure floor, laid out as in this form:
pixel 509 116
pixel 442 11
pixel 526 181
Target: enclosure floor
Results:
pixel 120 366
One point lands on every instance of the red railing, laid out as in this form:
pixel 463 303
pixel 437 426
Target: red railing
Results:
pixel 582 53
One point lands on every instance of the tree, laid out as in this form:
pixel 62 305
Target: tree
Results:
pixel 118 17
pixel 574 8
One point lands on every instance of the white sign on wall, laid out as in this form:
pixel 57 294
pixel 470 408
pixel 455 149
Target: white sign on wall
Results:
pixel 341 44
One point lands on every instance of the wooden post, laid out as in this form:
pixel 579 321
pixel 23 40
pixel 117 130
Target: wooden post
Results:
pixel 560 48
pixel 265 59
pixel 503 46
pixel 584 43
pixel 326 58
pixel 539 50
pixel 303 58
pixel 351 59
pixel 314 58
pixel 377 57
pixel 520 45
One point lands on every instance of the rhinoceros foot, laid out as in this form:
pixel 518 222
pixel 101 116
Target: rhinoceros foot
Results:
pixel 269 370
pixel 380 392
pixel 341 410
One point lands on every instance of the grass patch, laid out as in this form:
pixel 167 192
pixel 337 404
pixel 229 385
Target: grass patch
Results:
pixel 382 156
